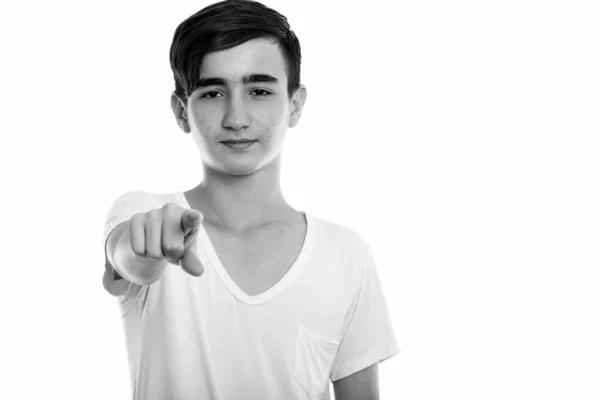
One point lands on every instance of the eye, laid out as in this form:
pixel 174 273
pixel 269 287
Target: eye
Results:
pixel 265 93
pixel 206 95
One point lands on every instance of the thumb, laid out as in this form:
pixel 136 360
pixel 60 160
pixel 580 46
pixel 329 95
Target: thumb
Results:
pixel 190 220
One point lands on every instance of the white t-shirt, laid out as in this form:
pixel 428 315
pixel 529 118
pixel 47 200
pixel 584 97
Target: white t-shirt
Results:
pixel 204 338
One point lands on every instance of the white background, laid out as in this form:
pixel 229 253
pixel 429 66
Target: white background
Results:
pixel 461 139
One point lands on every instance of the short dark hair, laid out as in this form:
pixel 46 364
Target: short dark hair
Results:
pixel 224 25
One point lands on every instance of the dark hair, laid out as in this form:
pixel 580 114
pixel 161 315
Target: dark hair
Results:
pixel 224 25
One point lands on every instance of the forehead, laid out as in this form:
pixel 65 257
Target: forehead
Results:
pixel 254 56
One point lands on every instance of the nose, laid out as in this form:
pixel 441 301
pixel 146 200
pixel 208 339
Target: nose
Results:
pixel 236 116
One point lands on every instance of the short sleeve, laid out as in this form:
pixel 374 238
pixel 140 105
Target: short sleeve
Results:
pixel 369 337
pixel 125 207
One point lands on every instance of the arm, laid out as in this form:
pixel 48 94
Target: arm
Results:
pixel 362 385
pixel 127 264
pixel 113 282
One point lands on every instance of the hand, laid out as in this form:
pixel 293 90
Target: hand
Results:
pixel 168 233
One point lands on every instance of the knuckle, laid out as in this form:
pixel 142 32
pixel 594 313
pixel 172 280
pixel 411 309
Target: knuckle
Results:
pixel 154 215
pixel 170 211
pixel 170 206
pixel 136 220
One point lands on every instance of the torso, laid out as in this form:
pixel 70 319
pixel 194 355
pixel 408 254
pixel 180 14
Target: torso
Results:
pixel 257 261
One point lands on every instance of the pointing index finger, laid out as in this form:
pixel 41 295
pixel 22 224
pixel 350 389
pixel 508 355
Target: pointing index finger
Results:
pixel 191 220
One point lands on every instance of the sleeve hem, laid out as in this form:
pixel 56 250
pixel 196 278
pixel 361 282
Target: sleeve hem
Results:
pixel 109 229
pixel 376 355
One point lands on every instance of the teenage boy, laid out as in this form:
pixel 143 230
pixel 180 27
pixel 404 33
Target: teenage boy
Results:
pixel 226 291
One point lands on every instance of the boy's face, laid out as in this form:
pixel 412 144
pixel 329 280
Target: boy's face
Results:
pixel 227 105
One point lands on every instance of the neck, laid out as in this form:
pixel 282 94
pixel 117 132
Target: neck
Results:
pixel 241 202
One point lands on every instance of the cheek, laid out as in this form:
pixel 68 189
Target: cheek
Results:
pixel 274 122
pixel 202 123
pixel 273 126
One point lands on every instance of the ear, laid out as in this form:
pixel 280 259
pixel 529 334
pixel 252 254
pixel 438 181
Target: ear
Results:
pixel 297 101
pixel 178 107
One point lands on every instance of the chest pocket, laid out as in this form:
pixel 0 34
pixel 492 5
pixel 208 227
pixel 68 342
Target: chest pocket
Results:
pixel 314 359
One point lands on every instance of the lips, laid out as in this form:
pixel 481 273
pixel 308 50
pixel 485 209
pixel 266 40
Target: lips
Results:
pixel 238 141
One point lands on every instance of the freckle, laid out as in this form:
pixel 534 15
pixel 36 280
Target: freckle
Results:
pixel 204 131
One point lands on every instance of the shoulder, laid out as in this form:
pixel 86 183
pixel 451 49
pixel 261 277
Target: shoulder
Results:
pixel 341 238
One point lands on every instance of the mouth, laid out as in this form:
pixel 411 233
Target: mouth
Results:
pixel 238 141
pixel 238 144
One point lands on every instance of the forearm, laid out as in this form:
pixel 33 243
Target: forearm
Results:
pixel 139 270
pixel 362 385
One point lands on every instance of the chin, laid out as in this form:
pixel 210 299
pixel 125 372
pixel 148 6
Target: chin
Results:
pixel 240 170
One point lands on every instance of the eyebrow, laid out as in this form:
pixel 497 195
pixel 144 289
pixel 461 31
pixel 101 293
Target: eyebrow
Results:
pixel 246 79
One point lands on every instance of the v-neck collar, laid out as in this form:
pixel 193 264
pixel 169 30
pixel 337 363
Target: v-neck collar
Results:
pixel 226 278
